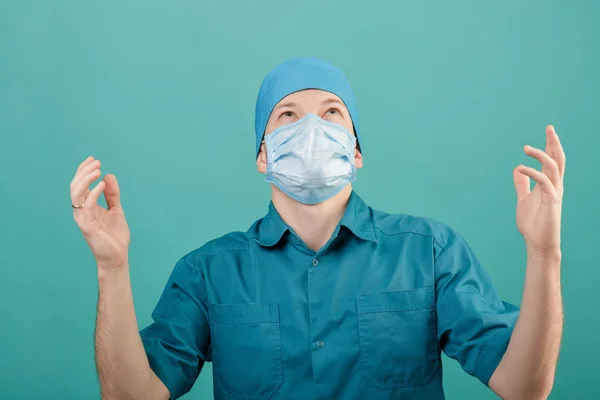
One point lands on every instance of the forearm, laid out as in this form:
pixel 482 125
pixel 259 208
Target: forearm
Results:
pixel 121 361
pixel 527 369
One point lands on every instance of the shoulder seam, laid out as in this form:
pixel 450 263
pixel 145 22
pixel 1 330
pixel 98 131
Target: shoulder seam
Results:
pixel 445 246
pixel 224 251
pixel 205 251
pixel 403 232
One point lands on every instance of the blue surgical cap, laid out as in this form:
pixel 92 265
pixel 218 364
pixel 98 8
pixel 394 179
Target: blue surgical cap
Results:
pixel 298 74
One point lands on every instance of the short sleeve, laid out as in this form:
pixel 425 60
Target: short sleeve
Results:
pixel 177 340
pixel 474 324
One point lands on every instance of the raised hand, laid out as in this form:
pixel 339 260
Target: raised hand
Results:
pixel 105 230
pixel 539 210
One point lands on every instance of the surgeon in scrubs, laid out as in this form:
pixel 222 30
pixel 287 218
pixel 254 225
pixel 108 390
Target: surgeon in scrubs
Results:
pixel 325 297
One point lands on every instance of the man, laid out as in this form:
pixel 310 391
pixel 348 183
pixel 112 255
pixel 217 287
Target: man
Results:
pixel 325 297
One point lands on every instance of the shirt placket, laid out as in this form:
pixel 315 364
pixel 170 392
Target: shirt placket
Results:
pixel 316 298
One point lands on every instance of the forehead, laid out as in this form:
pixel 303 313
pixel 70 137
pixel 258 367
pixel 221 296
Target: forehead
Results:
pixel 308 98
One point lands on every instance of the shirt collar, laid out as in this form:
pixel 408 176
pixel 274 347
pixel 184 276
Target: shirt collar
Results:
pixel 271 228
pixel 357 218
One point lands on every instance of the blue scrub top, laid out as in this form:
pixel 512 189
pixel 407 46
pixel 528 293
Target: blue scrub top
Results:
pixel 365 317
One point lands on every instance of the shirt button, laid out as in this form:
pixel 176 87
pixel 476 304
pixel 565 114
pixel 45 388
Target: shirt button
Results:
pixel 315 262
pixel 320 343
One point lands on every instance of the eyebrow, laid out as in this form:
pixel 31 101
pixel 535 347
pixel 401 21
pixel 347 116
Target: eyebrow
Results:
pixel 291 104
pixel 288 104
pixel 331 100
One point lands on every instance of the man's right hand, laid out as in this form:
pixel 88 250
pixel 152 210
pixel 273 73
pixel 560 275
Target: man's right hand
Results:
pixel 105 230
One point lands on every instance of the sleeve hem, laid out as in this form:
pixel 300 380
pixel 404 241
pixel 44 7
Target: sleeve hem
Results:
pixel 491 355
pixel 164 369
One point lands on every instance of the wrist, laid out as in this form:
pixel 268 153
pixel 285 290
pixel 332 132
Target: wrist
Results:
pixel 552 256
pixel 112 271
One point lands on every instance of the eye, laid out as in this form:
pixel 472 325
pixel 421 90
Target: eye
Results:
pixel 286 114
pixel 333 113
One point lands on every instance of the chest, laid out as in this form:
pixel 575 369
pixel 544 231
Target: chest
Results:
pixel 335 275
pixel 365 308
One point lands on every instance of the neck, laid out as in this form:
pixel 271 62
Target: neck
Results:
pixel 313 223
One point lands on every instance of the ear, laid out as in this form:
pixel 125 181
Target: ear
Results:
pixel 358 158
pixel 261 160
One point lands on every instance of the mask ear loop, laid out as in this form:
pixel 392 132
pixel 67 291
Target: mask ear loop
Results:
pixel 266 153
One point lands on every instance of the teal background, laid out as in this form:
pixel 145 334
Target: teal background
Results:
pixel 163 92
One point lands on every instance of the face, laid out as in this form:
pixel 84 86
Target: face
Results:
pixel 296 105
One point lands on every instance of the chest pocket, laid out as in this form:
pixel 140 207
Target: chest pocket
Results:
pixel 397 333
pixel 246 349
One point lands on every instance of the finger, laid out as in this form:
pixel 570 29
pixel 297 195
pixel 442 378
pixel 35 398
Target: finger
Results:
pixel 84 163
pixel 538 176
pixel 556 150
pixel 522 184
pixel 112 194
pixel 91 201
pixel 81 189
pixel 90 167
pixel 83 172
pixel 549 165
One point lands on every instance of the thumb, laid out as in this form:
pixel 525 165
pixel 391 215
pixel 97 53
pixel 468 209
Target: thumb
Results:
pixel 522 184
pixel 112 193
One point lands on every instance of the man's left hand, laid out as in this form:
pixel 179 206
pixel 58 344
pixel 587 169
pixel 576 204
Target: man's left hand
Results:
pixel 539 210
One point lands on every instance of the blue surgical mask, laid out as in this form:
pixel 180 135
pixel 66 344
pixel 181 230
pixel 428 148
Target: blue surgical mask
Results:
pixel 310 160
